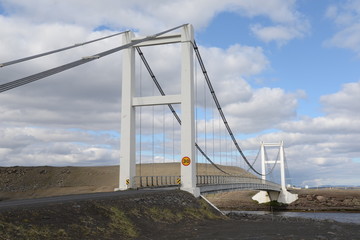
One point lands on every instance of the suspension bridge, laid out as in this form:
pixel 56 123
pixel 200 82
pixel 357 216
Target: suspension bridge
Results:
pixel 187 127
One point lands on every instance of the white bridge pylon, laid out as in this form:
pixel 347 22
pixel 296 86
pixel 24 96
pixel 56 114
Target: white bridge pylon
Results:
pixel 266 196
pixel 185 98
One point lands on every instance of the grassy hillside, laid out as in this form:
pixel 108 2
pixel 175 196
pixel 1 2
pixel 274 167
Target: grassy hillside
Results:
pixel 30 182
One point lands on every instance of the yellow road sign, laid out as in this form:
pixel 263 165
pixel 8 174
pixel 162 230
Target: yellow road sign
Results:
pixel 186 161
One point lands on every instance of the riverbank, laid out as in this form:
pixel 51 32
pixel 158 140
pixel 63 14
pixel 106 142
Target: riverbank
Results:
pixel 309 200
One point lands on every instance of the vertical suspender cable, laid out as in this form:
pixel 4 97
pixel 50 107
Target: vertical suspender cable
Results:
pixel 196 114
pixel 153 134
pixel 164 135
pixel 220 149
pixel 213 130
pixel 140 119
pixel 196 49
pixel 173 137
pixel 173 110
pixel 205 122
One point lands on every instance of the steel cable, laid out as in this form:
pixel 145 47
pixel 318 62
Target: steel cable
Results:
pixel 57 50
pixel 141 54
pixel 196 49
pixel 41 75
pixel 256 158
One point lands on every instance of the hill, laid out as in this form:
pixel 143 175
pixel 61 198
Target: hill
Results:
pixel 32 182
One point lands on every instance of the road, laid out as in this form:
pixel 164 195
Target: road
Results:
pixel 6 204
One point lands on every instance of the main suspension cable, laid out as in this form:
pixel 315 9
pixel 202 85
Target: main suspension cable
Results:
pixel 196 49
pixel 255 159
pixel 47 73
pixel 57 50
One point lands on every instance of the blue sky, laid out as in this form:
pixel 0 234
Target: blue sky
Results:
pixel 304 63
pixel 282 69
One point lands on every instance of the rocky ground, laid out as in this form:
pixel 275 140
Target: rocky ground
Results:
pixel 131 217
pixel 166 215
pixel 158 215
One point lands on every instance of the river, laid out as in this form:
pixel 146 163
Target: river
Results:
pixel 344 217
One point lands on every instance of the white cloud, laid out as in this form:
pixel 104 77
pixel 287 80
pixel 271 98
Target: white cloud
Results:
pixel 323 146
pixel 237 60
pixel 44 146
pixel 279 33
pixel 347 18
pixel 344 103
pixel 342 114
pixel 150 17
pixel 265 109
pixel 288 23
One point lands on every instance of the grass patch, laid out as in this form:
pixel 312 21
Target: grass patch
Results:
pixel 119 221
pixel 163 215
pixel 30 232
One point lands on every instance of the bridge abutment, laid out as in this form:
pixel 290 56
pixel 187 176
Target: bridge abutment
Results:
pixel 287 197
pixel 283 196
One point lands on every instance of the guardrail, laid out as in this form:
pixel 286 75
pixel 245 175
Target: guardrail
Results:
pixel 157 181
pixel 220 179
pixel 207 182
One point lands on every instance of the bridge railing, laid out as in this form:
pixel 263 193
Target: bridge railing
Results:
pixel 203 180
pixel 157 181
pixel 220 179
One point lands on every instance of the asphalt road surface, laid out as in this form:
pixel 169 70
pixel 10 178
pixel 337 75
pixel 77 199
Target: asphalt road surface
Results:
pixel 6 204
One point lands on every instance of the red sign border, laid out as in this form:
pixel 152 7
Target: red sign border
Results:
pixel 185 164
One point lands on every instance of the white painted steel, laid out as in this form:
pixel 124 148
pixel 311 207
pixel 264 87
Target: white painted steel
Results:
pixel 188 173
pixel 164 39
pixel 156 100
pixel 127 144
pixel 282 165
pixel 263 167
pixel 186 98
pixel 265 196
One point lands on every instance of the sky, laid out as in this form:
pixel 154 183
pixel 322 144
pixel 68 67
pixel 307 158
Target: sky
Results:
pixel 283 70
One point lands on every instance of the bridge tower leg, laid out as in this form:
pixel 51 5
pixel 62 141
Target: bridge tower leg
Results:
pixel 128 141
pixel 188 172
pixel 263 166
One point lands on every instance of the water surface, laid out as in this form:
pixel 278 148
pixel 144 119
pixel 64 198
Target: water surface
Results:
pixel 344 217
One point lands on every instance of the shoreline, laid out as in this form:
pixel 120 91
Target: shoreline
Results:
pixel 310 200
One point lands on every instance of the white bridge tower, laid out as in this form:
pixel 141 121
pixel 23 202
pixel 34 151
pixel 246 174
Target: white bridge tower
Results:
pixel 266 196
pixel 185 98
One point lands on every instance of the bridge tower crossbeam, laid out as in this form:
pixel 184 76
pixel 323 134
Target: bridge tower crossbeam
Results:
pixel 185 98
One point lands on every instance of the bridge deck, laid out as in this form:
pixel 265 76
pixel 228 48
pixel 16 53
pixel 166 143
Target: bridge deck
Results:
pixel 209 183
